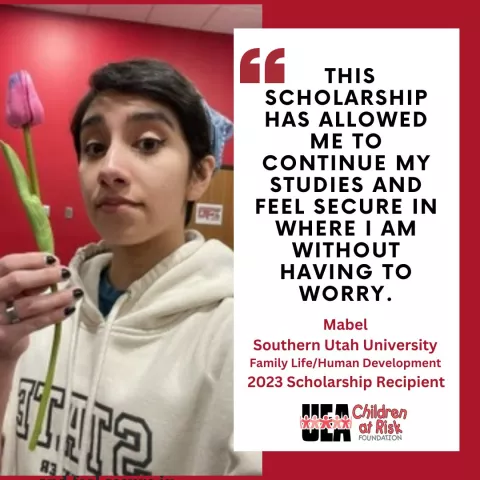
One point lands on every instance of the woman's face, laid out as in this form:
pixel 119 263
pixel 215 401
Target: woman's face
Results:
pixel 134 169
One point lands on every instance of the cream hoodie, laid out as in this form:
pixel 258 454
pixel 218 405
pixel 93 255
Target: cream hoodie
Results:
pixel 149 388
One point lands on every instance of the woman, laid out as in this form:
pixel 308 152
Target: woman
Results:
pixel 144 379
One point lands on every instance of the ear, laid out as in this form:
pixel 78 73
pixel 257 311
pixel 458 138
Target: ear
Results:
pixel 201 178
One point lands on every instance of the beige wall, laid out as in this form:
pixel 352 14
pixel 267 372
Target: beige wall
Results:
pixel 219 192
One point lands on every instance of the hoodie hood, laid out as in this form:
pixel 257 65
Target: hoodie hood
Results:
pixel 198 274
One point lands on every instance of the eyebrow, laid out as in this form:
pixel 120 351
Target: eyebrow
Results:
pixel 134 117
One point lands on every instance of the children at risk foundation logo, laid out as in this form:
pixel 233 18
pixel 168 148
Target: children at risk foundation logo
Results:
pixel 326 422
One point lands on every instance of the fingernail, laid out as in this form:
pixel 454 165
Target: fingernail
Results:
pixel 50 260
pixel 78 293
pixel 69 310
pixel 66 273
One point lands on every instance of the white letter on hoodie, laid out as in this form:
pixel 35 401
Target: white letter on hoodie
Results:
pixel 56 404
pixel 25 391
pixel 76 421
pixel 101 422
pixel 135 451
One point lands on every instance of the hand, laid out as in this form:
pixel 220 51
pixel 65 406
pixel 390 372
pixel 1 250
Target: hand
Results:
pixel 24 278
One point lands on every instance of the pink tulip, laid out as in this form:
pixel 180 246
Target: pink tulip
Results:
pixel 24 108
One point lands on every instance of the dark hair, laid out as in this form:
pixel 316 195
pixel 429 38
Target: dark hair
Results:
pixel 160 82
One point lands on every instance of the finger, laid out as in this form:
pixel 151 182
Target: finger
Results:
pixel 15 283
pixel 26 327
pixel 34 291
pixel 26 261
pixel 34 306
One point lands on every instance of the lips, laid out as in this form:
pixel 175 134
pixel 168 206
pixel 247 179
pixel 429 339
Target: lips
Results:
pixel 115 201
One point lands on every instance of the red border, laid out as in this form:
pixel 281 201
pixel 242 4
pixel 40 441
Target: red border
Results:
pixel 410 465
pixel 406 14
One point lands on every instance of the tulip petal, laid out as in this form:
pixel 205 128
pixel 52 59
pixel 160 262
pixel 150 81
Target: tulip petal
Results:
pixel 37 113
pixel 23 104
pixel 17 114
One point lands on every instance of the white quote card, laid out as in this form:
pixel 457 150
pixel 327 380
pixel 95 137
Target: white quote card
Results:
pixel 347 239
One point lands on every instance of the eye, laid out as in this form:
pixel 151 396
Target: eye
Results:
pixel 149 145
pixel 94 149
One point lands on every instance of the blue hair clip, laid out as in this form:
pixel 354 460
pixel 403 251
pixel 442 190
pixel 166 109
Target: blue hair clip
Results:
pixel 221 132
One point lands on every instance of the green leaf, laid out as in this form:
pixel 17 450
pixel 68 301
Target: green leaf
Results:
pixel 36 214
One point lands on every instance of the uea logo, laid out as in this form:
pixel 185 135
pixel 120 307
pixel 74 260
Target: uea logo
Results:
pixel 274 72
pixel 318 420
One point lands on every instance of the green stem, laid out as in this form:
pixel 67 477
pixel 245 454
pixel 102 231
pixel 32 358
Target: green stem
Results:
pixel 29 193
pixel 42 409
pixel 32 171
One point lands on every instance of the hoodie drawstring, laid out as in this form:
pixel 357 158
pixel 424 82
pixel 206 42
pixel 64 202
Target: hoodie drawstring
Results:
pixel 91 401
pixel 88 419
pixel 68 390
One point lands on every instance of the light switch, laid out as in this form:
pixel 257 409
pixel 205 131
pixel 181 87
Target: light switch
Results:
pixel 47 209
pixel 68 212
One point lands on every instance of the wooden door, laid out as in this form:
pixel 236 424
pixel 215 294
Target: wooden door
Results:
pixel 220 192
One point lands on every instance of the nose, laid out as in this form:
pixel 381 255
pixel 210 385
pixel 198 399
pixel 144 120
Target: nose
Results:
pixel 113 173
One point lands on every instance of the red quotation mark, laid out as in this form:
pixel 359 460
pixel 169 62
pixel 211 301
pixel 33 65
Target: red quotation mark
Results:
pixel 274 72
